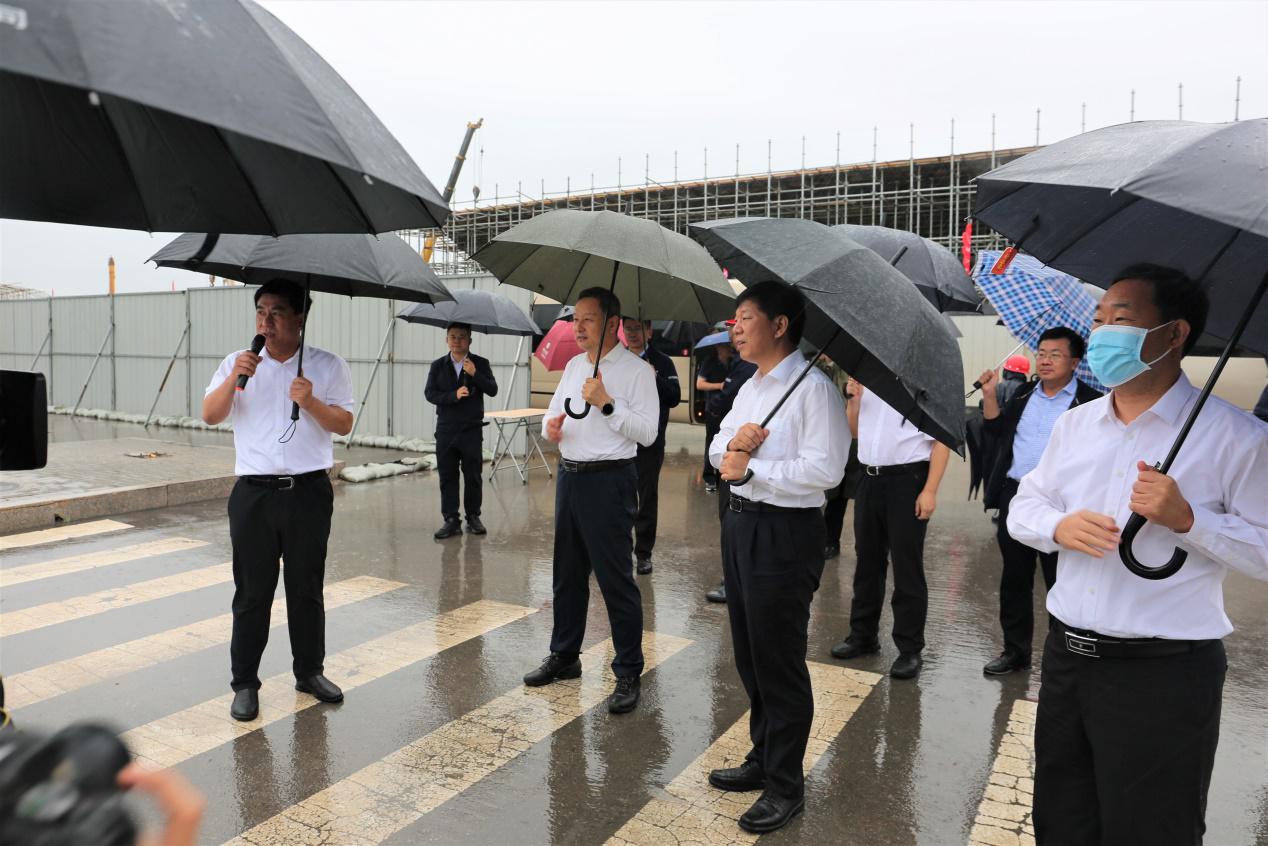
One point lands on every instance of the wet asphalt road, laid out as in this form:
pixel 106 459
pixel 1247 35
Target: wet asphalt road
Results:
pixel 909 767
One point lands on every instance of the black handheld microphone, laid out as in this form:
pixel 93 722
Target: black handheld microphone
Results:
pixel 256 345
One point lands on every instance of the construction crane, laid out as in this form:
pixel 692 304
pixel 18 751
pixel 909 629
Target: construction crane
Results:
pixel 452 183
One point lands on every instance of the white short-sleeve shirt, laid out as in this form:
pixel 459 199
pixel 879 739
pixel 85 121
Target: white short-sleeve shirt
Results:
pixel 261 413
pixel 885 438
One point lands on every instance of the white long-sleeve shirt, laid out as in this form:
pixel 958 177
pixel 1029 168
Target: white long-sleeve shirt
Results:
pixel 631 382
pixel 809 440
pixel 1090 463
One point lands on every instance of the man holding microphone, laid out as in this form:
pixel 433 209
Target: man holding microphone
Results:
pixel 596 495
pixel 282 503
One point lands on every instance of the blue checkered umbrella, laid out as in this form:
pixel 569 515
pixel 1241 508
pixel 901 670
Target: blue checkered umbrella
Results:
pixel 1032 298
pixel 713 340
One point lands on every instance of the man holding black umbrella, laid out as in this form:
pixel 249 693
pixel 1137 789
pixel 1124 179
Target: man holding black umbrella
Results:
pixel 457 384
pixel 596 495
pixel 638 336
pixel 282 502
pixel 1133 668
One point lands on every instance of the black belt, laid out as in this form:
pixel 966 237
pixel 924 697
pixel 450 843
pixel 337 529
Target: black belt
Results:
pixel 894 469
pixel 593 466
pixel 284 483
pixel 739 503
pixel 1092 644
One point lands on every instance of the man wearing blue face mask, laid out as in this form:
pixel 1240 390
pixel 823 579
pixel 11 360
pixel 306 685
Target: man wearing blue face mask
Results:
pixel 1133 669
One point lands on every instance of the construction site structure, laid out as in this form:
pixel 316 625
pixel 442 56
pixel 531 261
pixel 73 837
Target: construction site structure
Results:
pixel 932 197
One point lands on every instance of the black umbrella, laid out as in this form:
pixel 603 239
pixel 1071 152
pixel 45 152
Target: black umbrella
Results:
pixel 1191 196
pixel 865 315
pixel 351 265
pixel 938 274
pixel 656 273
pixel 484 311
pixel 210 116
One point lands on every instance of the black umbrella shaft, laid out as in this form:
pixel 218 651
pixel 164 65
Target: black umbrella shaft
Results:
pixel 303 336
pixel 800 378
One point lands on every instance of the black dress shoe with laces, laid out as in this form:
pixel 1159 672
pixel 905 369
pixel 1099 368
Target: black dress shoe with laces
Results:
pixel 451 528
pixel 906 666
pixel 769 813
pixel 554 667
pixel 747 776
pixel 475 527
pixel 624 696
pixel 848 648
pixel 1009 662
pixel 320 687
pixel 246 704
pixel 717 594
pixel 643 566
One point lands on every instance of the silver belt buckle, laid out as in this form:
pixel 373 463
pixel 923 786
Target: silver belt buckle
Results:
pixel 872 470
pixel 290 482
pixel 734 504
pixel 569 466
pixel 1080 645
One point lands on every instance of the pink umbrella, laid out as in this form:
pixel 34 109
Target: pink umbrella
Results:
pixel 559 346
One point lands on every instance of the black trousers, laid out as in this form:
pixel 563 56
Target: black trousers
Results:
pixel 1017 580
pixel 463 449
pixel 650 460
pixel 594 515
pixel 1124 747
pixel 265 525
pixel 711 426
pixel 771 565
pixel 886 527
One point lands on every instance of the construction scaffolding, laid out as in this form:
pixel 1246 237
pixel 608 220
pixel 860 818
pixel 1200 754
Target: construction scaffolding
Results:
pixel 930 196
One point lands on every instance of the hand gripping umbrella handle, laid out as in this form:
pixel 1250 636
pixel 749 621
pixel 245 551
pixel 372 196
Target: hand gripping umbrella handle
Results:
pixel 1178 556
pixel 599 357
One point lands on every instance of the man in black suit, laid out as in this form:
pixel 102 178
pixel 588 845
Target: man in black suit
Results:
pixel 638 338
pixel 1014 440
pixel 457 385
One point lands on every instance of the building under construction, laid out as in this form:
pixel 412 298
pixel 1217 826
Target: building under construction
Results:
pixel 929 196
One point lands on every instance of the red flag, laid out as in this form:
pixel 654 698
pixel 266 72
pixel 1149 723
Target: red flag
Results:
pixel 966 242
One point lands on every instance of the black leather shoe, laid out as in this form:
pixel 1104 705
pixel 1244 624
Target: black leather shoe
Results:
pixel 717 594
pixel 451 528
pixel 906 666
pixel 246 704
pixel 321 688
pixel 769 813
pixel 554 667
pixel 1008 662
pixel 847 649
pixel 643 566
pixel 475 527
pixel 747 776
pixel 624 696
pixel 831 551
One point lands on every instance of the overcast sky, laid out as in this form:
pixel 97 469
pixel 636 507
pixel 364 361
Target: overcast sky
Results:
pixel 566 89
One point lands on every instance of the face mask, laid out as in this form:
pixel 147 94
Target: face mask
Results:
pixel 1113 353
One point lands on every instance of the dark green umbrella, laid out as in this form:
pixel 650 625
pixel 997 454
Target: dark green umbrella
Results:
pixel 656 273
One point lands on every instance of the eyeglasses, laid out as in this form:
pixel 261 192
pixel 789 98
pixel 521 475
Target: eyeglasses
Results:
pixel 1053 357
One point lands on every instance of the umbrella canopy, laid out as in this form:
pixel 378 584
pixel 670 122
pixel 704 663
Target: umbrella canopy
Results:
pixel 1183 195
pixel 657 274
pixel 865 315
pixel 1032 298
pixel 713 340
pixel 484 311
pixel 558 347
pixel 936 272
pixel 210 116
pixel 1175 193
pixel 352 265
pixel 680 334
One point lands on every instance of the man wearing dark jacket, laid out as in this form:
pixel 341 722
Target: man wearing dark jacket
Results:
pixel 457 385
pixel 638 336
pixel 1015 437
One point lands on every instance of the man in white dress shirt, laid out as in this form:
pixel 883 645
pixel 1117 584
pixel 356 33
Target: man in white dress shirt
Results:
pixel 897 494
pixel 773 542
pixel 596 495
pixel 282 502
pixel 1133 669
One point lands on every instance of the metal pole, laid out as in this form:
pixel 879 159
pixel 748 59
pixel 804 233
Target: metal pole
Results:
pixel 189 360
pixel 1083 121
pixel 166 373
pixel 705 204
pixel 836 184
pixel 951 189
pixel 52 359
pixel 873 175
pixel 93 369
pixel 387 334
pixel 391 371
pixel 768 177
pixel 1131 116
pixel 1237 100
pixel 114 370
pixel 992 141
pixel 1036 127
pixel 515 371
pixel 911 177
pixel 1180 103
pixel 44 343
pixel 801 200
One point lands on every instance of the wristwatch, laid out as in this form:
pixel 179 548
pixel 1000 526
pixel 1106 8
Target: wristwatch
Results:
pixel 607 409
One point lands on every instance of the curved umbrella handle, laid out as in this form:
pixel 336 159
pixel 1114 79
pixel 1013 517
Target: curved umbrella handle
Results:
pixel 743 480
pixel 1134 524
pixel 574 415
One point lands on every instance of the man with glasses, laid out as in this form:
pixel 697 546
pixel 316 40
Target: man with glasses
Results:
pixel 1015 439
